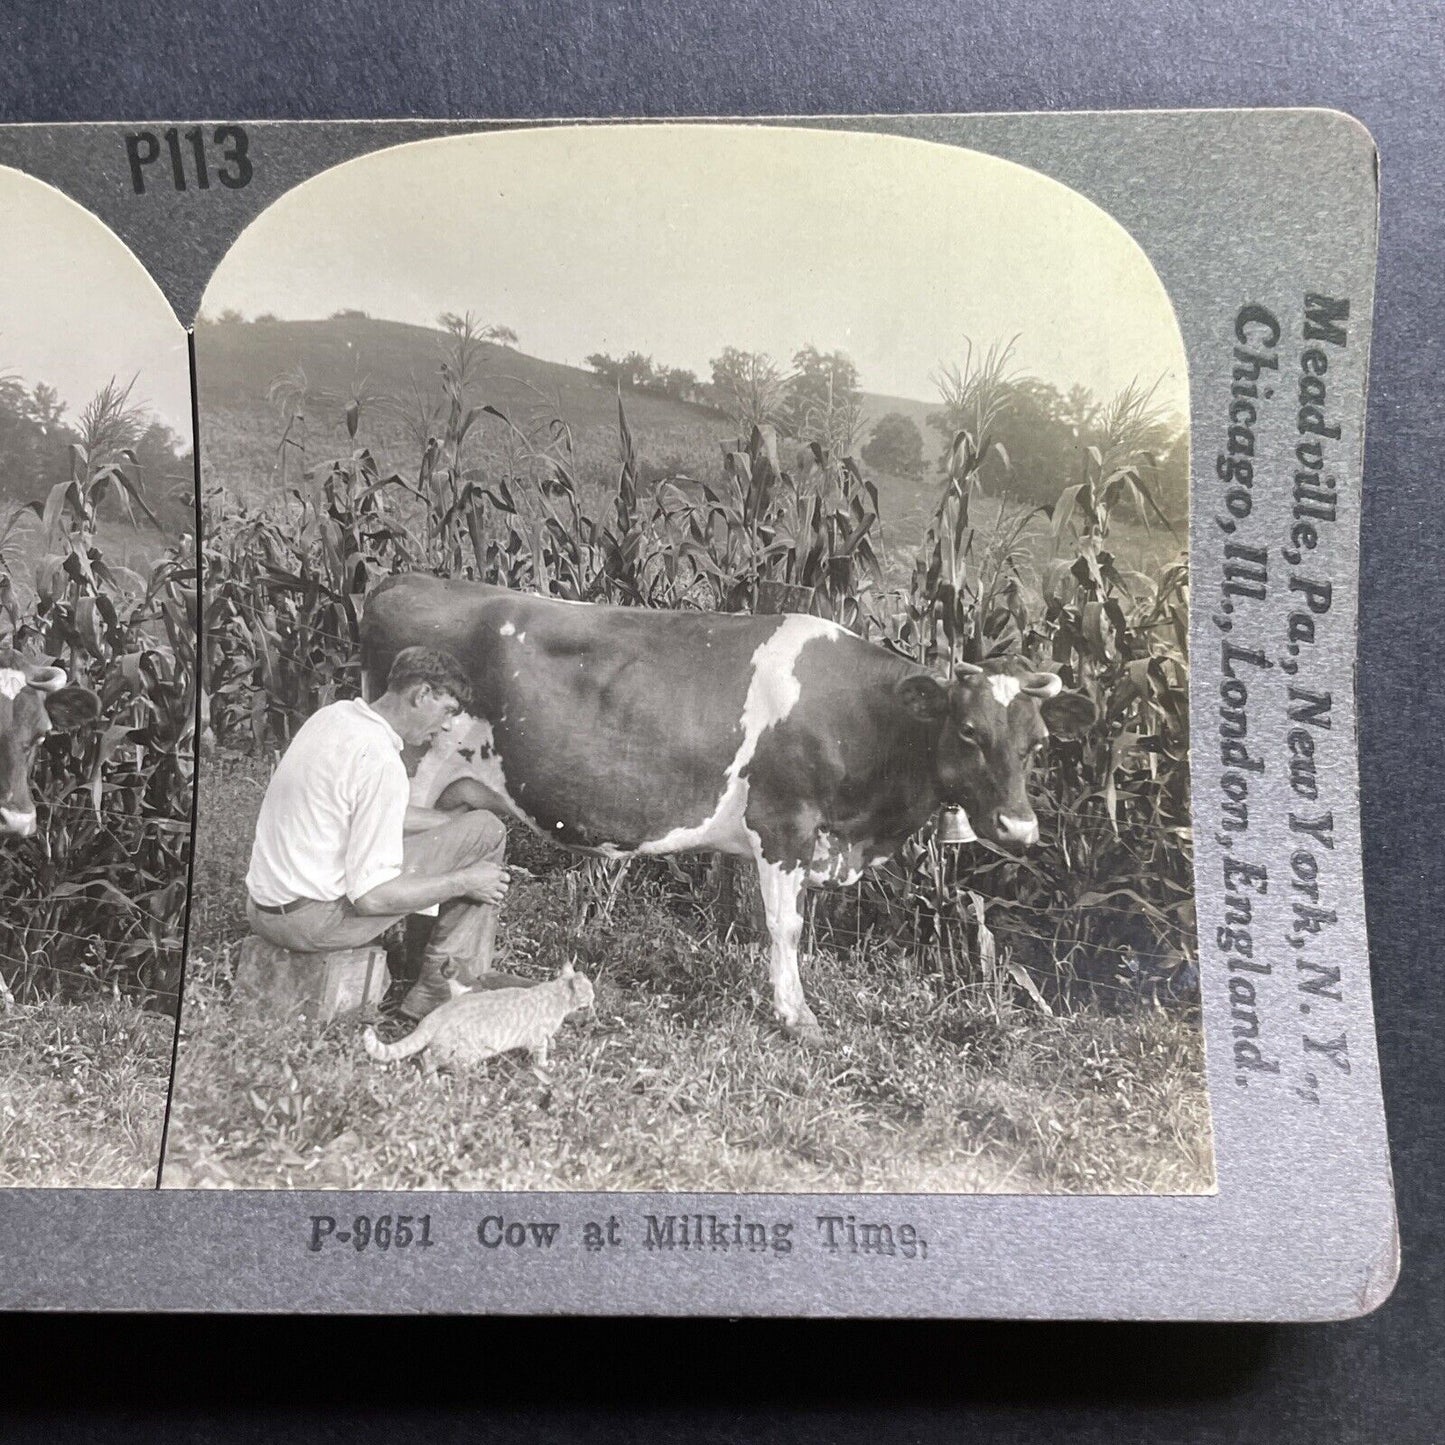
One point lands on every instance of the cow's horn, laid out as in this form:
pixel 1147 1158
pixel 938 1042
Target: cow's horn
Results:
pixel 1041 684
pixel 45 679
pixel 969 669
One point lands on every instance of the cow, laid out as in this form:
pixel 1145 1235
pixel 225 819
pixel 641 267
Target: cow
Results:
pixel 785 739
pixel 34 699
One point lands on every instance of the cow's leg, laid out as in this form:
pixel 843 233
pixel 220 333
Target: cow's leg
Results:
pixel 782 890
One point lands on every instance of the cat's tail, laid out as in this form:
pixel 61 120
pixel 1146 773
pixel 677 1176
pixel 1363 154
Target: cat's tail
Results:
pixel 403 1048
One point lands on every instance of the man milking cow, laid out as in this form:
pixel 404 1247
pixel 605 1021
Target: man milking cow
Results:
pixel 783 739
pixel 786 740
pixel 341 854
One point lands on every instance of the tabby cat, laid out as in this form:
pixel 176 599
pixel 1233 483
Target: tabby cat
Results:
pixel 476 1025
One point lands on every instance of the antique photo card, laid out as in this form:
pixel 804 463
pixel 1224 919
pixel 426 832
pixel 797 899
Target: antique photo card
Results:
pixel 97 694
pixel 776 729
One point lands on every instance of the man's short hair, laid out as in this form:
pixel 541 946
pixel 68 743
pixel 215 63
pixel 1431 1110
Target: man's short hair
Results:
pixel 414 665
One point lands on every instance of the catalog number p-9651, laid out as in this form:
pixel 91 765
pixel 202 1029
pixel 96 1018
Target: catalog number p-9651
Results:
pixel 365 1231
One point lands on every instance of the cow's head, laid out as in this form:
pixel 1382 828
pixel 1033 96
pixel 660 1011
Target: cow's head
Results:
pixel 995 721
pixel 34 700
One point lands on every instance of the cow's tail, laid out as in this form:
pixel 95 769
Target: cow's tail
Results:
pixel 403 1048
pixel 369 690
pixel 373 680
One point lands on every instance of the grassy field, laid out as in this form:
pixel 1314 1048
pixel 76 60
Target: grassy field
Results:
pixel 83 1094
pixel 679 1079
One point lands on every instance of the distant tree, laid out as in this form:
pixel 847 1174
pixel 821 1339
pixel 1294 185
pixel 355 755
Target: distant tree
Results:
pixel 749 387
pixel 895 446
pixel 630 372
pixel 33 439
pixel 471 326
pixel 230 317
pixel 605 366
pixel 351 313
pixel 612 369
pixel 1172 481
pixel 267 318
pixel 676 382
pixel 46 406
pixel 1043 436
pixel 1037 452
pixel 636 372
pixel 825 403
pixel 167 470
pixel 1078 410
pixel 636 369
pixel 36 436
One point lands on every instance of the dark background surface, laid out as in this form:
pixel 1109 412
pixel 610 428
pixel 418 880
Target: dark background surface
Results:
pixel 1370 1380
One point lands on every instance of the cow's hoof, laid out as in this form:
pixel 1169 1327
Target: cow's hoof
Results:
pixel 804 1031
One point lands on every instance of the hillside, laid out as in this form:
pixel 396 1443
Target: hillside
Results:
pixel 237 362
pixel 391 362
pixel 394 368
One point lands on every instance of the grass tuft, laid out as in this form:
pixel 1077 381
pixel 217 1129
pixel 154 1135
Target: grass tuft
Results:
pixel 82 1094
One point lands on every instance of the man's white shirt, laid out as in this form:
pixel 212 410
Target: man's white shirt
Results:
pixel 333 819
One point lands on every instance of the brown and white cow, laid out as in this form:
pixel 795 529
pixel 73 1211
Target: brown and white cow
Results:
pixel 785 739
pixel 34 700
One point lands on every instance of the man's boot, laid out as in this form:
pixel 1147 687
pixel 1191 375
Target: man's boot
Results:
pixel 431 989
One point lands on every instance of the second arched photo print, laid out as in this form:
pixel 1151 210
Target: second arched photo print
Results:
pixel 696 679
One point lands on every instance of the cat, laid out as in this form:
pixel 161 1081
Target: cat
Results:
pixel 474 1025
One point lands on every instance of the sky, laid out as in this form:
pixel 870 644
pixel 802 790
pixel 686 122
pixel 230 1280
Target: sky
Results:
pixel 678 240
pixel 77 308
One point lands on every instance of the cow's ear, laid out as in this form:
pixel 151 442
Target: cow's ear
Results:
pixel 71 707
pixel 925 697
pixel 1067 714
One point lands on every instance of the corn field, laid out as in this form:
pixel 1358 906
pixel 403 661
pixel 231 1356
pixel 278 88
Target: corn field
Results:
pixel 1105 902
pixel 96 900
